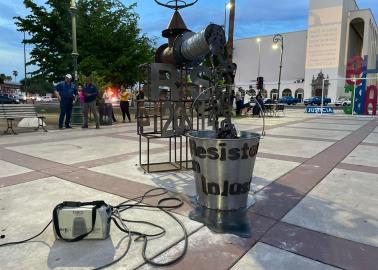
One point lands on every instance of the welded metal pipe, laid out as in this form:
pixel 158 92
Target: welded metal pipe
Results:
pixel 211 39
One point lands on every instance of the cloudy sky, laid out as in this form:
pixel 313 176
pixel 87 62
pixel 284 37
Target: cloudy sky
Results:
pixel 253 18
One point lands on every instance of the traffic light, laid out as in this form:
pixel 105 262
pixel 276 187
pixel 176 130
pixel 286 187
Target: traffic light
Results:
pixel 260 83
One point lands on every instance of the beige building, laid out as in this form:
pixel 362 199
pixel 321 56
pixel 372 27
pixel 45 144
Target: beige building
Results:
pixel 337 30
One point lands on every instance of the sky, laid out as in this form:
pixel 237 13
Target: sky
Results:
pixel 253 18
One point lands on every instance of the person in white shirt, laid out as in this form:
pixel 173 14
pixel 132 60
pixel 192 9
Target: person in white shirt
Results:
pixel 108 96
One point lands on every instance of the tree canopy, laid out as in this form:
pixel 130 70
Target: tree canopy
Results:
pixel 4 78
pixel 110 43
pixel 37 85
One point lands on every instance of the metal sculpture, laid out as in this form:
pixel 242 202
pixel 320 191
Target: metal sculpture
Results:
pixel 190 84
pixel 178 4
pixel 190 77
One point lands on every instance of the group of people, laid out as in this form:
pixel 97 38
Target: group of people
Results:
pixel 88 93
pixel 240 105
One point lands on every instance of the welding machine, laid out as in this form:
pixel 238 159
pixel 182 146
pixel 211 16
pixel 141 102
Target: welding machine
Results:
pixel 74 221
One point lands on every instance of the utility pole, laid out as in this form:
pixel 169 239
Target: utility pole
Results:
pixel 25 80
pixel 231 27
pixel 75 54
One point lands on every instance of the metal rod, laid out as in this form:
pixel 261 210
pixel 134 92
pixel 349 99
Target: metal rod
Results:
pixel 354 97
pixel 186 151
pixel 180 152
pixel 322 100
pixel 148 154
pixel 170 149
pixel 140 149
pixel 175 149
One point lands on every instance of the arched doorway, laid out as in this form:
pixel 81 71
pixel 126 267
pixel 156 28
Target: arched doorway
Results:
pixel 356 37
pixel 274 94
pixel 287 93
pixel 299 94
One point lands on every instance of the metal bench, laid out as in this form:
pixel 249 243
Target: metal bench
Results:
pixel 280 108
pixel 269 110
pixel 11 112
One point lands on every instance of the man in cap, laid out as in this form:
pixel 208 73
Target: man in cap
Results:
pixel 66 92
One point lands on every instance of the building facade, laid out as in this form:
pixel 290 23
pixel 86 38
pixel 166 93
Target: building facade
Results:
pixel 10 88
pixel 338 31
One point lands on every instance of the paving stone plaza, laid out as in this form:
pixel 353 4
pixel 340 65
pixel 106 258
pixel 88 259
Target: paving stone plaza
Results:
pixel 315 185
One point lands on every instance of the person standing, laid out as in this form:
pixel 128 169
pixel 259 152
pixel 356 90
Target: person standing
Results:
pixel 66 92
pixel 238 98
pixel 232 97
pixel 81 95
pixel 107 96
pixel 90 94
pixel 259 107
pixel 124 103
pixel 140 101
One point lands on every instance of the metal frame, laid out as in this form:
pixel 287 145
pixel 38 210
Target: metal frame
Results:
pixel 176 164
pixel 10 125
pixel 155 110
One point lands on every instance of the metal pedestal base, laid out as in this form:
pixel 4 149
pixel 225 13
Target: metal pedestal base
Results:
pixel 228 222
pixel 77 115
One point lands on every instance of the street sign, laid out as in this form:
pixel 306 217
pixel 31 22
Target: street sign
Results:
pixel 326 110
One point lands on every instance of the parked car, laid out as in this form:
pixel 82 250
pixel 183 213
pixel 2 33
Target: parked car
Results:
pixel 8 100
pixel 21 98
pixel 46 99
pixel 290 100
pixel 317 101
pixel 268 101
pixel 343 102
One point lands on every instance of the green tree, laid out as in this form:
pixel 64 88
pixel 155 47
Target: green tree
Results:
pixel 37 85
pixel 110 42
pixel 4 78
pixel 49 27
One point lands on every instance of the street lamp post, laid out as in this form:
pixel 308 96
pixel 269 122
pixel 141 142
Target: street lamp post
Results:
pixel 75 54
pixel 77 114
pixel 226 6
pixel 279 40
pixel 231 25
pixel 258 40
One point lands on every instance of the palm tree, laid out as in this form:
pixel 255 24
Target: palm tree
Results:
pixel 15 74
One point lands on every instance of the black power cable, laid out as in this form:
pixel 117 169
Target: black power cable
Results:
pixel 121 224
pixel 128 243
pixel 26 240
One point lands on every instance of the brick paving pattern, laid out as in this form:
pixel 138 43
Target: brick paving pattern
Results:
pixel 315 185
